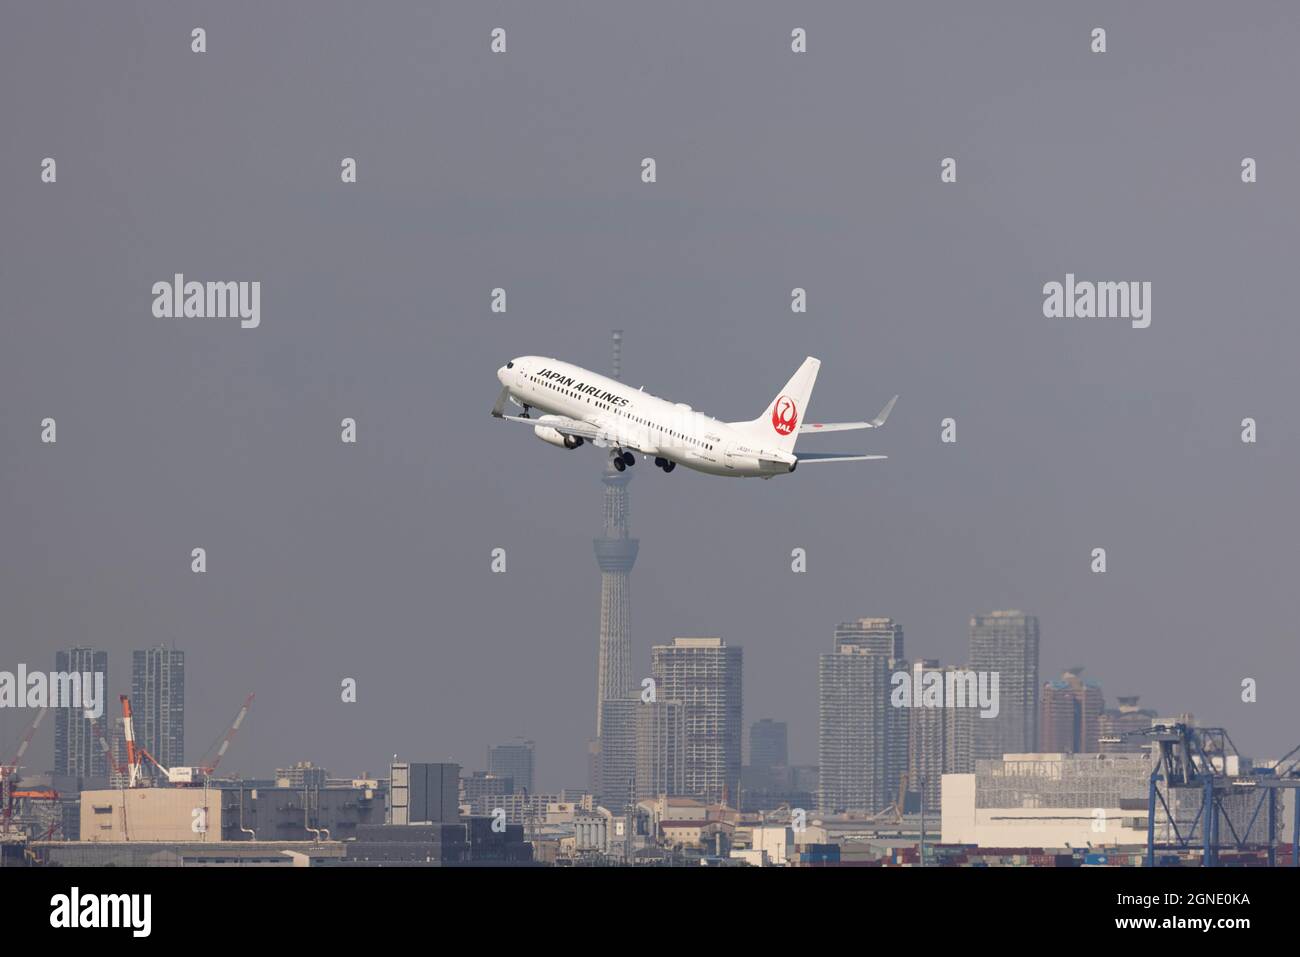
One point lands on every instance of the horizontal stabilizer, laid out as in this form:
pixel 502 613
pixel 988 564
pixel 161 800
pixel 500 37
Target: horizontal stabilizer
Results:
pixel 836 457
pixel 875 423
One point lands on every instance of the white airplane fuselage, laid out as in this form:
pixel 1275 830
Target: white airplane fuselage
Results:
pixel 633 417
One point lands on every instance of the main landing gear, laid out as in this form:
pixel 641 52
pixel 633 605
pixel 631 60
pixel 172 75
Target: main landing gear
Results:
pixel 665 464
pixel 622 459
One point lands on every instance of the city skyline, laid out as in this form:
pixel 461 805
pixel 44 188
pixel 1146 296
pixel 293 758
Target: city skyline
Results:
pixel 902 729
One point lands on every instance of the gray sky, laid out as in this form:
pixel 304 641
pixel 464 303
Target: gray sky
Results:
pixel 775 170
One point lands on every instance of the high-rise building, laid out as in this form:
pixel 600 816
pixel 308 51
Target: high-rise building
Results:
pixel 853 714
pixel 959 735
pixel 768 745
pixel 927 740
pixel 660 746
pixel 704 675
pixel 898 723
pixel 882 636
pixel 1006 643
pixel 77 751
pixel 1069 715
pixel 514 761
pixel 1115 726
pixel 618 752
pixel 941 729
pixel 158 703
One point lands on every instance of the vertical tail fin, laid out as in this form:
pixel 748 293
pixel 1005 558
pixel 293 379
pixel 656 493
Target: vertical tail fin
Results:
pixel 778 426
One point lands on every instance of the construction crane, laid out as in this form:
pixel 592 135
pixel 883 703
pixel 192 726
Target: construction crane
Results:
pixel 11 769
pixel 9 774
pixel 183 776
pixel 230 734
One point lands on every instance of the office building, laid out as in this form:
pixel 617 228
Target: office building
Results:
pixel 768 745
pixel 514 761
pixel 1070 714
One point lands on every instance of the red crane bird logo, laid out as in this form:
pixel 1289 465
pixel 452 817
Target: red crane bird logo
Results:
pixel 784 415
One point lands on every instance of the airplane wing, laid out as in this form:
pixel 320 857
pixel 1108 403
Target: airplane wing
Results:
pixel 595 433
pixel 803 457
pixel 875 423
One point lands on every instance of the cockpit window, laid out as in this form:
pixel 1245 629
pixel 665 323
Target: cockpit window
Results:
pixel 510 365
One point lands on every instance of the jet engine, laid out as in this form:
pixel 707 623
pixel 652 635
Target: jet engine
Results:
pixel 552 437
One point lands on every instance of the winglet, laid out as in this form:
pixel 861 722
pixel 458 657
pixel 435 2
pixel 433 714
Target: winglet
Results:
pixel 500 406
pixel 879 420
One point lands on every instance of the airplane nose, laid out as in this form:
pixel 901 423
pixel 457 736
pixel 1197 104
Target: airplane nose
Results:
pixel 501 375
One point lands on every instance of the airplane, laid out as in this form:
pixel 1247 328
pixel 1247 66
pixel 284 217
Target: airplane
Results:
pixel 576 405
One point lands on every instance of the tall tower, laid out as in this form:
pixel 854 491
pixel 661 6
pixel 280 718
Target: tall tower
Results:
pixel 615 554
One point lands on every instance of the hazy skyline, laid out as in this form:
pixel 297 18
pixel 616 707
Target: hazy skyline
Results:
pixel 821 170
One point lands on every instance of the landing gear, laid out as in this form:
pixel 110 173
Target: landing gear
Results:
pixel 524 414
pixel 629 458
pixel 618 465
pixel 669 466
pixel 665 464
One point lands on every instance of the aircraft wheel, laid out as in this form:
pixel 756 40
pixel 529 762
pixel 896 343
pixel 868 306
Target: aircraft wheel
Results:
pixel 629 458
pixel 669 466
pixel 618 464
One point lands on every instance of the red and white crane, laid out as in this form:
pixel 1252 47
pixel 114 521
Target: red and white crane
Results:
pixel 187 776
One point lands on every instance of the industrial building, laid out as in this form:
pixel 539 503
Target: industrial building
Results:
pixel 199 814
pixel 423 793
pixel 1048 801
